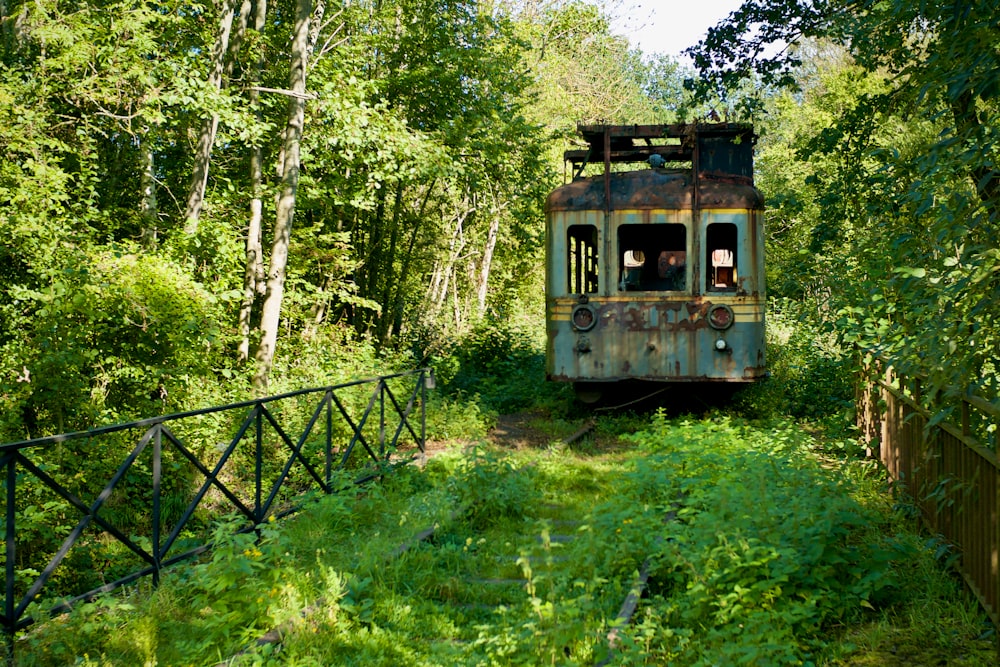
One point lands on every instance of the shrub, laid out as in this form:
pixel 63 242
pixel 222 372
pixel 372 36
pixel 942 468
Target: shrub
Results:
pixel 490 487
pixel 766 551
pixel 500 364
pixel 810 370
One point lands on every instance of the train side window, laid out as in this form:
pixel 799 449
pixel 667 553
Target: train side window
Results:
pixel 582 259
pixel 652 257
pixel 721 259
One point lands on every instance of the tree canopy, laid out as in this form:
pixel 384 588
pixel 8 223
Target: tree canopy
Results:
pixel 152 144
pixel 882 154
pixel 158 187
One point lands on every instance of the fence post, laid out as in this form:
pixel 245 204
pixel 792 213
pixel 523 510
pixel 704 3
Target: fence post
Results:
pixel 329 436
pixel 157 469
pixel 381 419
pixel 10 623
pixel 425 378
pixel 259 463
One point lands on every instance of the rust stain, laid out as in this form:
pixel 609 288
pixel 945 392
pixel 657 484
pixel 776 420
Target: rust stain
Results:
pixel 635 319
pixel 652 189
pixel 642 316
pixel 607 315
pixel 692 324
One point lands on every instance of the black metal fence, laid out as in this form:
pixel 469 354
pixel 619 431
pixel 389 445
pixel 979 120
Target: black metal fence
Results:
pixel 88 512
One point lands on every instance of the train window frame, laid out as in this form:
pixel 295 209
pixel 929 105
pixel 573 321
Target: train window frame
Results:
pixel 582 259
pixel 722 251
pixel 652 257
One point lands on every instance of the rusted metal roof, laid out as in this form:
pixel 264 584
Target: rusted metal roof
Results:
pixel 651 189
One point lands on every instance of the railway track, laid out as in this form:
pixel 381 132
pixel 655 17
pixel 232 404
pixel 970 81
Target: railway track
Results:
pixel 494 582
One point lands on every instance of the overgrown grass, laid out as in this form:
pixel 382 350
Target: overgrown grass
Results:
pixel 765 550
pixel 498 368
pixel 771 541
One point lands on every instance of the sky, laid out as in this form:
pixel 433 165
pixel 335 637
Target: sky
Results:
pixel 667 26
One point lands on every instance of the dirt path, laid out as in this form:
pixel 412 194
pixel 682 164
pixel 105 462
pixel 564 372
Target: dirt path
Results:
pixel 518 431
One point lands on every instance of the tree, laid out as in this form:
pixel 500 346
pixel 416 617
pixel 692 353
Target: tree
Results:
pixel 210 124
pixel 285 211
pixel 922 149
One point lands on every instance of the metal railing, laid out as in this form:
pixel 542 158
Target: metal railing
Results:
pixel 945 468
pixel 63 528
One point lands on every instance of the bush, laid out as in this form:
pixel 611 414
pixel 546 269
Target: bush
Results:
pixel 810 370
pixel 501 366
pixel 767 550
pixel 119 336
pixel 491 488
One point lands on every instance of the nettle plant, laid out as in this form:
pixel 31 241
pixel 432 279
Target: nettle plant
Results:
pixel 765 551
pixel 490 487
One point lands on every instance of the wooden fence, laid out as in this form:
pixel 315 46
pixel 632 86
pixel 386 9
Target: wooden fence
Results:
pixel 950 471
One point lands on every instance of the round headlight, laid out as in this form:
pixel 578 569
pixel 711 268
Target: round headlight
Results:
pixel 584 318
pixel 720 317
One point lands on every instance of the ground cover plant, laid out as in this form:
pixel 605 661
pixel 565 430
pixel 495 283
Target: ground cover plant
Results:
pixel 762 550
pixel 769 539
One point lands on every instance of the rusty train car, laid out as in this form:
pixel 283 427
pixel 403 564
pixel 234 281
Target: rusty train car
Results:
pixel 655 271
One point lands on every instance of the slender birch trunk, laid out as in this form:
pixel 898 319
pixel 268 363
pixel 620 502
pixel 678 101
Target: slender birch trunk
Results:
pixel 148 207
pixel 210 125
pixel 286 200
pixel 486 266
pixel 253 274
pixel 487 263
pixel 438 291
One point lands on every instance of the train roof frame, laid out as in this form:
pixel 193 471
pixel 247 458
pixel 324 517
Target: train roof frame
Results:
pixel 721 149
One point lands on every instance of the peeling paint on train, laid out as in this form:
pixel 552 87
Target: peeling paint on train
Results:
pixel 657 274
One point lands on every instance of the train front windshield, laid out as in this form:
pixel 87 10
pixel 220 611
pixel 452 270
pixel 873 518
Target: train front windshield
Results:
pixel 653 257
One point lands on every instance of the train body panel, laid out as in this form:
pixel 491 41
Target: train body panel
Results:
pixel 655 339
pixel 657 274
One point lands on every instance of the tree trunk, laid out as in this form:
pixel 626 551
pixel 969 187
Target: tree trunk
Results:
pixel 407 262
pixel 239 35
pixel 318 311
pixel 387 272
pixel 437 293
pixel 209 126
pixel 7 39
pixel 286 200
pixel 253 274
pixel 148 207
pixel 6 30
pixel 486 266
pixel 487 263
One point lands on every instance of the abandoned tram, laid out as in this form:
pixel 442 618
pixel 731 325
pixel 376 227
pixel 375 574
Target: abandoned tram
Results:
pixel 655 273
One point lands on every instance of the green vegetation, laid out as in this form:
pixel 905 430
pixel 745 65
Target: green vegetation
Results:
pixel 763 548
pixel 146 265
pixel 878 158
pixel 155 155
pixel 768 540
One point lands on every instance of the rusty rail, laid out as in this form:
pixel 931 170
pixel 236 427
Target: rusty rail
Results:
pixel 947 470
